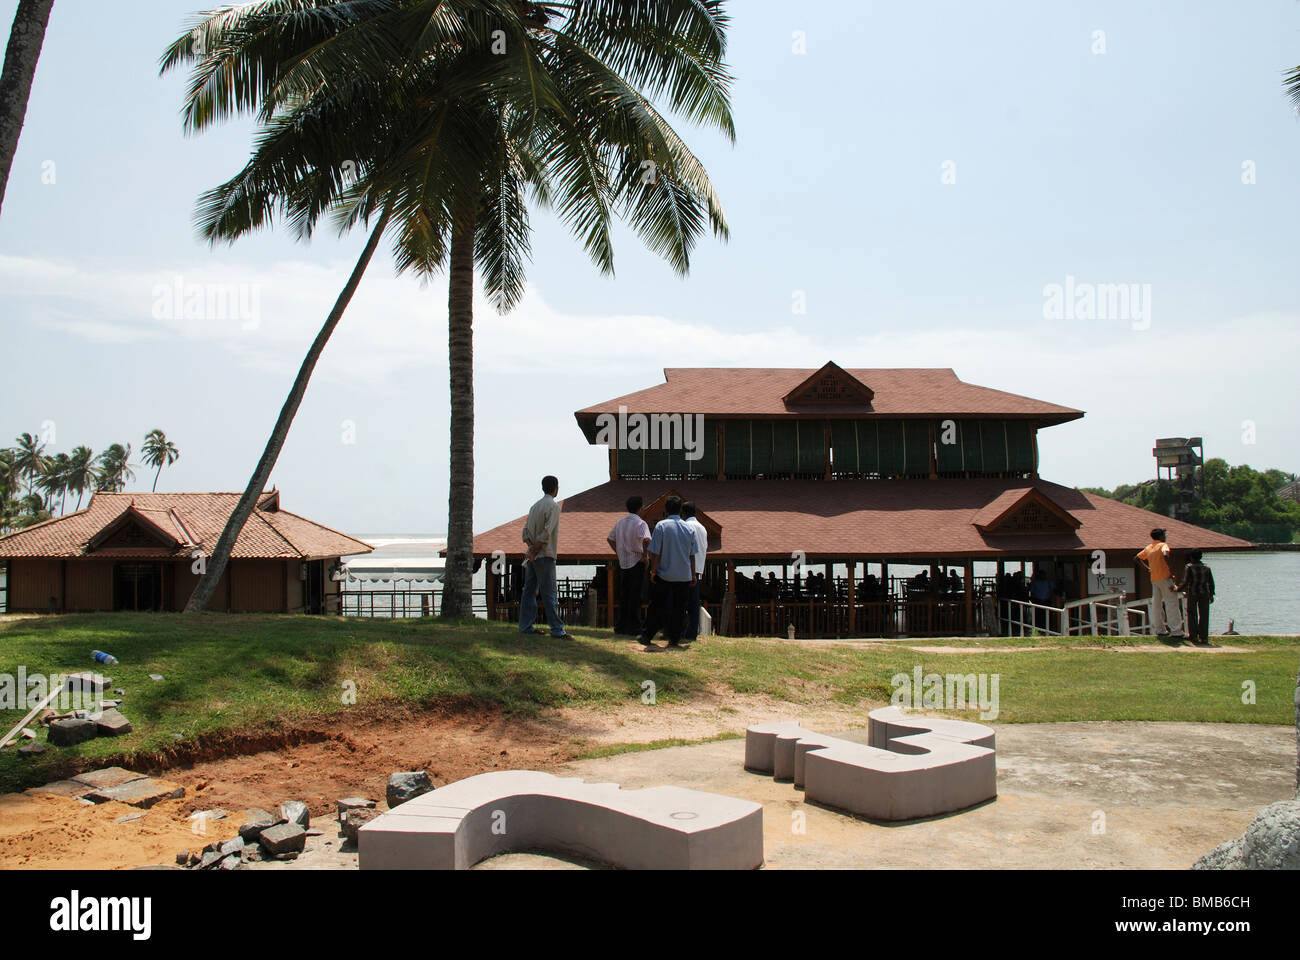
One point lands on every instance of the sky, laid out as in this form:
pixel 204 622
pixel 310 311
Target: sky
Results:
pixel 912 185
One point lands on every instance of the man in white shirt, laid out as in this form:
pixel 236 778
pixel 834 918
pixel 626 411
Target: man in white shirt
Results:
pixel 629 540
pixel 542 535
pixel 692 630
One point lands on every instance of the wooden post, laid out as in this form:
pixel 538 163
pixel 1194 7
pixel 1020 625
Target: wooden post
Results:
pixel 827 448
pixel 853 577
pixel 613 463
pixel 722 449
pixel 491 591
pixel 609 595
pixel 934 462
pixel 970 598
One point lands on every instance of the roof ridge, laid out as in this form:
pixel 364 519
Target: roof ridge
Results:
pixel 314 523
pixel 270 526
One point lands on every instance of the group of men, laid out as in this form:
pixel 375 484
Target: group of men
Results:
pixel 674 554
pixel 1197 586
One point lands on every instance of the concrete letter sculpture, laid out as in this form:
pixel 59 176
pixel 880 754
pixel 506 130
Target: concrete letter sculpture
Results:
pixel 913 766
pixel 655 828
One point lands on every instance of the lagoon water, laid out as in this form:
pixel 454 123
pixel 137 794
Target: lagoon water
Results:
pixel 1259 591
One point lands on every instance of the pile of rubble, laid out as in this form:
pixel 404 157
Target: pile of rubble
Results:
pixel 283 835
pixel 68 729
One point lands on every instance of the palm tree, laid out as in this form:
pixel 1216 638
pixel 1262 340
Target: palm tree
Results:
pixel 55 481
pixel 9 473
pixel 158 452
pixel 31 459
pixel 82 471
pixel 26 38
pixel 448 114
pixel 115 468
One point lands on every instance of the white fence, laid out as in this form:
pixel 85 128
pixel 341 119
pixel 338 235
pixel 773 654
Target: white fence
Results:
pixel 1108 615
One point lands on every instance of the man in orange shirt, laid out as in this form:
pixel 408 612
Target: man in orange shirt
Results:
pixel 1155 557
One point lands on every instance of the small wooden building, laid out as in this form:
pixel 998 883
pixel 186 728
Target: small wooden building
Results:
pixel 145 551
pixel 832 475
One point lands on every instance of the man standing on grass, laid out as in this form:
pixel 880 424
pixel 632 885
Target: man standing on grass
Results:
pixel 1198 587
pixel 1164 588
pixel 672 571
pixel 701 550
pixel 542 537
pixel 629 540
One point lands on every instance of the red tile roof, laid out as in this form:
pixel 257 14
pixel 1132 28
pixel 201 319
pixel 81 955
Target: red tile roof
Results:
pixel 768 519
pixel 761 392
pixel 191 519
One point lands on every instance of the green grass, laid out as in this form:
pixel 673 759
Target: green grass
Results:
pixel 235 674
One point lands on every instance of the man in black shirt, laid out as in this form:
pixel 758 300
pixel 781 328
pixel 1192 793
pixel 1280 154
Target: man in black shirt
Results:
pixel 1198 585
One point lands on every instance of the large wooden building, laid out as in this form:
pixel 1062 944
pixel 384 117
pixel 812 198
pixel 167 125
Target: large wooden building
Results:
pixel 832 475
pixel 142 551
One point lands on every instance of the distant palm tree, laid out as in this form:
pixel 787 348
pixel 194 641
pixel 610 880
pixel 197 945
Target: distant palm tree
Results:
pixel 31 460
pixel 115 468
pixel 55 481
pixel 9 474
pixel 26 38
pixel 158 452
pixel 1291 83
pixel 446 115
pixel 83 471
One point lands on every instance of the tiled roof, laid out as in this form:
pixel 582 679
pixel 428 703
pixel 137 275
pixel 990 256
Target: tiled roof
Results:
pixel 760 392
pixel 191 519
pixel 863 518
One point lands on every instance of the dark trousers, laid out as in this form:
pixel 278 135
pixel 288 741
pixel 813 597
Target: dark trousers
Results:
pixel 667 607
pixel 629 600
pixel 692 611
pixel 1198 618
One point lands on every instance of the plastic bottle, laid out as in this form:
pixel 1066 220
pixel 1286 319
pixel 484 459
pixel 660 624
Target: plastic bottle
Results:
pixel 105 658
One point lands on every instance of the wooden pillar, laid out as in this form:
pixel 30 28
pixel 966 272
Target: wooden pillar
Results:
pixel 722 449
pixel 853 578
pixel 970 598
pixel 491 591
pixel 934 462
pixel 609 595
pixel 613 463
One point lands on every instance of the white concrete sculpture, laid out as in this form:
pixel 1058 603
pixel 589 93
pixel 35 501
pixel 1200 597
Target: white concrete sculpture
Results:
pixel 911 767
pixel 655 828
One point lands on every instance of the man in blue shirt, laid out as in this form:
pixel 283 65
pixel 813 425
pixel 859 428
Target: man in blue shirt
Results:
pixel 672 572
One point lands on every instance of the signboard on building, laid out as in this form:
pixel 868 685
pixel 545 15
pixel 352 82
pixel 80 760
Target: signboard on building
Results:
pixel 1113 580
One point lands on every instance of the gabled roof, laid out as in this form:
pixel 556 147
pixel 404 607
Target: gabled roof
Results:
pixel 930 519
pixel 767 392
pixel 1014 503
pixel 176 524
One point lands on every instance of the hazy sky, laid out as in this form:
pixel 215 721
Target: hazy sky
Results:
pixel 920 175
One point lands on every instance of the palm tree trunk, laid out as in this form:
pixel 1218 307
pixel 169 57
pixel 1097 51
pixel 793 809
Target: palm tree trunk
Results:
pixel 457 599
pixel 155 479
pixel 26 38
pixel 257 484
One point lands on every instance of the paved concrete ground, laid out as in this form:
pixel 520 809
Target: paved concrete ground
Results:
pixel 1096 795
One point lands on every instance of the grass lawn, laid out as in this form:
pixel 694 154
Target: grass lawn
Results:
pixel 227 673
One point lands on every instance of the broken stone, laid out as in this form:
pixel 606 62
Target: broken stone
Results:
pixel 315 832
pixel 28 733
pixel 60 788
pixel 233 845
pixel 210 860
pixel 295 811
pixel 354 820
pixel 285 838
pixel 85 683
pixel 231 863
pixel 208 815
pixel 407 785
pixel 110 723
pixel 31 749
pixel 255 821
pixel 252 853
pixel 69 733
pixel 354 803
pixel 183 858
pixel 140 793
pixel 289 857
pixel 107 777
pixel 130 817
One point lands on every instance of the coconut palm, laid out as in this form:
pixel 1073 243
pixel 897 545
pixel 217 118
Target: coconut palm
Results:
pixel 54 483
pixel 26 37
pixel 443 117
pixel 9 474
pixel 31 459
pixel 83 472
pixel 115 468
pixel 158 452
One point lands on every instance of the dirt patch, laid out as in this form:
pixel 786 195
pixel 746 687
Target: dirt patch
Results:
pixel 48 833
